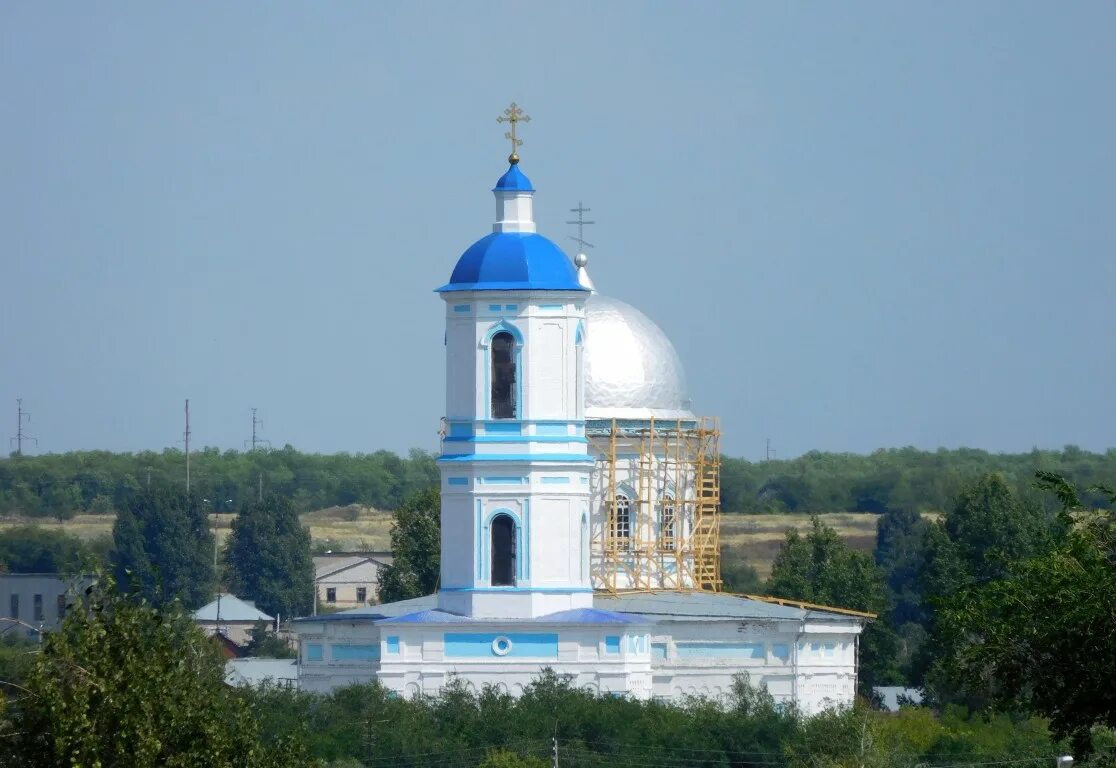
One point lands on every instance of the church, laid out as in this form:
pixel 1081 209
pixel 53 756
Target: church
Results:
pixel 580 502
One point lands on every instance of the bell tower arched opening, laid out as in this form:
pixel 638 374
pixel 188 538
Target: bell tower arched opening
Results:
pixel 503 551
pixel 504 376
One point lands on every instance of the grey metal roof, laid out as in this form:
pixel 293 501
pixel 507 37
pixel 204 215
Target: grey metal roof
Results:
pixel 230 608
pixel 382 611
pixel 704 606
pixel 656 606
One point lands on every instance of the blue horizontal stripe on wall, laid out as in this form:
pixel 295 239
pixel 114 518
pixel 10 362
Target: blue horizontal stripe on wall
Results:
pixel 781 651
pixel 731 650
pixel 552 306
pixel 555 481
pixel 503 480
pixel 612 644
pixel 571 458
pixel 503 428
pixel 511 307
pixel 458 481
pixel 314 652
pixel 658 651
pixel 460 429
pixel 462 307
pixel 551 429
pixel 355 652
pixel 490 438
pixel 393 645
pixel 524 645
pixel 493 307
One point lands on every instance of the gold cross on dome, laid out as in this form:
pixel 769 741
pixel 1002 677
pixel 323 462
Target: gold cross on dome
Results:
pixel 513 115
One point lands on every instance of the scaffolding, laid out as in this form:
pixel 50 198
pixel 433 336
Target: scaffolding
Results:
pixel 657 499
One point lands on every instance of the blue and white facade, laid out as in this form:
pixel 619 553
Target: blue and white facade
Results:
pixel 515 467
pixel 522 510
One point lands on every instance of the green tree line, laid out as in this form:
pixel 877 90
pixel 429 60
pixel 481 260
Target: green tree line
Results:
pixel 62 485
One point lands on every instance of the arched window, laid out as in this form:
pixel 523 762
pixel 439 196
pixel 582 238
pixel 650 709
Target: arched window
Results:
pixel 503 551
pixel 622 522
pixel 666 524
pixel 503 376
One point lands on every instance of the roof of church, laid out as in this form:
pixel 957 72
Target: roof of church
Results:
pixel 714 606
pixel 623 607
pixel 508 261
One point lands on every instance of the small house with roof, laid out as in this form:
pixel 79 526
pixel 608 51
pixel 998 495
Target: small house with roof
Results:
pixel 230 617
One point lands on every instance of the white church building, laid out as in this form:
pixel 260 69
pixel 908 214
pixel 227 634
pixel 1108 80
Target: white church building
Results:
pixel 579 510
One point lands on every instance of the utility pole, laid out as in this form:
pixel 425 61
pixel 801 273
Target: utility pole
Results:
pixel 259 497
pixel 20 436
pixel 770 451
pixel 187 445
pixel 554 751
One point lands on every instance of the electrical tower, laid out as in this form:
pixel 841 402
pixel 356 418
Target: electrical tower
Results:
pixel 20 436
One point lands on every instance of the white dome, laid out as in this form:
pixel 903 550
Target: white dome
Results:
pixel 631 368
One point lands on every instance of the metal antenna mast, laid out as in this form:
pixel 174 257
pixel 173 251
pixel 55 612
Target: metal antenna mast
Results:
pixel 581 223
pixel 187 445
pixel 256 441
pixel 20 436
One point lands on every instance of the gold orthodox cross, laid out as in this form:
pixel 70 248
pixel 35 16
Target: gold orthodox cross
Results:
pixel 513 115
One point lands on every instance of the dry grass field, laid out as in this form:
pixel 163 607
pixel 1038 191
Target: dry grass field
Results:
pixel 755 538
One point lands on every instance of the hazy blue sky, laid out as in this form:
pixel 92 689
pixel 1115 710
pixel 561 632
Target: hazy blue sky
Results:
pixel 863 225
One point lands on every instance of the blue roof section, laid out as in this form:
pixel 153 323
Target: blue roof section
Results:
pixel 506 261
pixel 428 617
pixel 514 181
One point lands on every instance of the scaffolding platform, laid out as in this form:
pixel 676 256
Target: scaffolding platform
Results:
pixel 656 505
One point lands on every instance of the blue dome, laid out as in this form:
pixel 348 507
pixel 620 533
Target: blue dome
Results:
pixel 508 261
pixel 514 181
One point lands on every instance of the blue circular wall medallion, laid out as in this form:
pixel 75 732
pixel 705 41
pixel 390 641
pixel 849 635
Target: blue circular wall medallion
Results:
pixel 501 646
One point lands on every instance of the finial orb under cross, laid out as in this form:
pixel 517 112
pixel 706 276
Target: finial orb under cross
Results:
pixel 513 115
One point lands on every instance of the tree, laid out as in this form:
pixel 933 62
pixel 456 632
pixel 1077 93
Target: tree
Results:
pixel 821 568
pixel 126 683
pixel 269 558
pixel 992 528
pixel 163 548
pixel 264 643
pixel 416 546
pixel 1040 637
pixel 31 549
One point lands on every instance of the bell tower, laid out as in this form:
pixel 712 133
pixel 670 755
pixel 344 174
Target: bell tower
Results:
pixel 514 463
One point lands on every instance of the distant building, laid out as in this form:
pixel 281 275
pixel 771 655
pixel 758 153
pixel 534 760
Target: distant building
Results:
pixel 348 579
pixel 251 673
pixel 230 616
pixel 37 599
